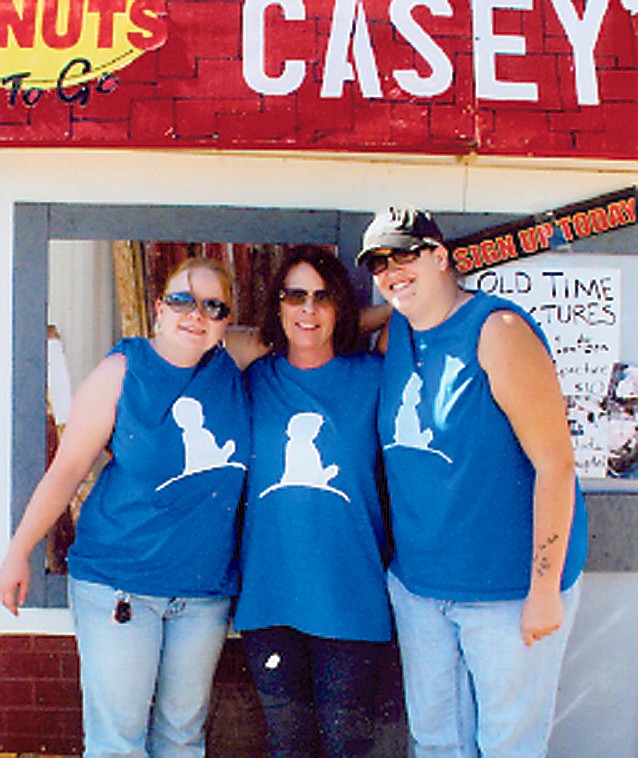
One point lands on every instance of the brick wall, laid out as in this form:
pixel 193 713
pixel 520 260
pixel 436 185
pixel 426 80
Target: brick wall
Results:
pixel 192 90
pixel 40 708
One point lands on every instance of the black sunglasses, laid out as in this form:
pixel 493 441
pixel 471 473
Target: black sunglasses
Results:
pixel 184 302
pixel 379 262
pixel 298 296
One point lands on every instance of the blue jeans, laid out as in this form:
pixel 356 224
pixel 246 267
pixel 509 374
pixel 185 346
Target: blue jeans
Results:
pixel 146 683
pixel 472 686
pixel 318 694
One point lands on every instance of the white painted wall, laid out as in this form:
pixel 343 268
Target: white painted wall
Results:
pixel 604 637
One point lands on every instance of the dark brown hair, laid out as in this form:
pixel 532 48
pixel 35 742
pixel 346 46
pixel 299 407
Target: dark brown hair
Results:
pixel 335 276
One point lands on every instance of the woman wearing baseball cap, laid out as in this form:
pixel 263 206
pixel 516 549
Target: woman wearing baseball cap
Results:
pixel 488 520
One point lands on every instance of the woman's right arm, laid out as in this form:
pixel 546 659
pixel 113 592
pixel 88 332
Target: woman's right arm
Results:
pixel 376 318
pixel 244 345
pixel 86 433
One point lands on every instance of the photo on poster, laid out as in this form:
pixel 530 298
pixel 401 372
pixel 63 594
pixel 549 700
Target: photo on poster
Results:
pixel 621 406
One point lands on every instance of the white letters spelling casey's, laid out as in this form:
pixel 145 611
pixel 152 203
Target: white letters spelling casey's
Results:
pixel 351 39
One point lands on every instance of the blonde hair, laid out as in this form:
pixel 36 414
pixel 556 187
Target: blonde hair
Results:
pixel 206 264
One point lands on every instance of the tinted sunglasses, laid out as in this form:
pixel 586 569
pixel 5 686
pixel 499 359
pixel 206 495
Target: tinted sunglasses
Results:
pixel 184 302
pixel 298 296
pixel 379 262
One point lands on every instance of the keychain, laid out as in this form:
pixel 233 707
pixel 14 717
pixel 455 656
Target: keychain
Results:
pixel 122 613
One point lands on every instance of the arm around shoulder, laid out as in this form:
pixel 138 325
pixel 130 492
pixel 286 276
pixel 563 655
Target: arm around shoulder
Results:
pixel 244 345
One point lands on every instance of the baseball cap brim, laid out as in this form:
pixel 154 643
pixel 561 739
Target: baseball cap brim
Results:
pixel 395 241
pixel 402 229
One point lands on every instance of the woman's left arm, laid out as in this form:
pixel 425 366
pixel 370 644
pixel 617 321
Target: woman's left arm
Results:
pixel 524 384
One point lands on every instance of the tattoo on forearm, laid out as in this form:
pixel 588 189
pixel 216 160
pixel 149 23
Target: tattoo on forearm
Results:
pixel 542 563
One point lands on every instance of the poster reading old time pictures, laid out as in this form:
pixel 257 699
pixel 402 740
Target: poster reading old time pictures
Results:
pixel 578 308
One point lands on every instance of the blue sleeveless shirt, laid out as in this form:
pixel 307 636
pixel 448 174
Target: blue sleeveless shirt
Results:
pixel 311 555
pixel 160 520
pixel 461 486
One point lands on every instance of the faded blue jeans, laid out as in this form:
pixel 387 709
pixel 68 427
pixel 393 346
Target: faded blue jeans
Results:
pixel 164 657
pixel 472 686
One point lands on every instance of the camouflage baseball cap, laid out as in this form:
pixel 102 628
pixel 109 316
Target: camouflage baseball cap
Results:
pixel 402 228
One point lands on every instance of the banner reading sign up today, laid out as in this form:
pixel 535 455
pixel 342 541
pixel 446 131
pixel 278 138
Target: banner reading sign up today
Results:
pixel 538 233
pixel 516 77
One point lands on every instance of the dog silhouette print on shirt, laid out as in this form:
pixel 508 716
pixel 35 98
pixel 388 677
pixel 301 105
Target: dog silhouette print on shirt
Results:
pixel 303 466
pixel 201 451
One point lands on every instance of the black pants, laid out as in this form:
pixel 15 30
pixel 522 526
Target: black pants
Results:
pixel 318 694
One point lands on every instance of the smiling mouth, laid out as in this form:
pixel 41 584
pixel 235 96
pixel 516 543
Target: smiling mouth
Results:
pixel 306 327
pixel 399 291
pixel 398 287
pixel 194 330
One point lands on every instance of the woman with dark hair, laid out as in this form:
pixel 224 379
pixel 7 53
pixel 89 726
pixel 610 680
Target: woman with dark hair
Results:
pixel 313 610
pixel 331 270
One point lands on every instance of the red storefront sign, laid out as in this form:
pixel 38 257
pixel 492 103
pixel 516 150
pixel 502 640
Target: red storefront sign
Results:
pixel 498 77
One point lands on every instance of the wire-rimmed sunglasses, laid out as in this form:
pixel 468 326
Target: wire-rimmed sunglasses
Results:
pixel 185 302
pixel 376 263
pixel 299 296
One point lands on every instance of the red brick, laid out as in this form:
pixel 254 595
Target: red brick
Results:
pixel 391 51
pixel 464 81
pixel 176 59
pixel 277 122
pixel 330 114
pixel 70 666
pixel 201 29
pixel 49 119
pixel 152 119
pixel 15 693
pixel 51 745
pixel 198 118
pixel 557 44
pixel 28 665
pixel 372 122
pixel 59 693
pixel 509 21
pixel 603 146
pixel 288 40
pixel 16 642
pixel 539 70
pixel 143 70
pixel 60 643
pixel 116 105
pixel 222 77
pixel 452 122
pixel 45 722
pixel 101 132
pixel 617 37
pixel 534 31
pixel 518 133
pixel 618 85
pixel 581 120
pixel 617 140
pixel 456 26
pixel 408 121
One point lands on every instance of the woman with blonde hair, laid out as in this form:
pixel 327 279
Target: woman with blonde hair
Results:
pixel 151 569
